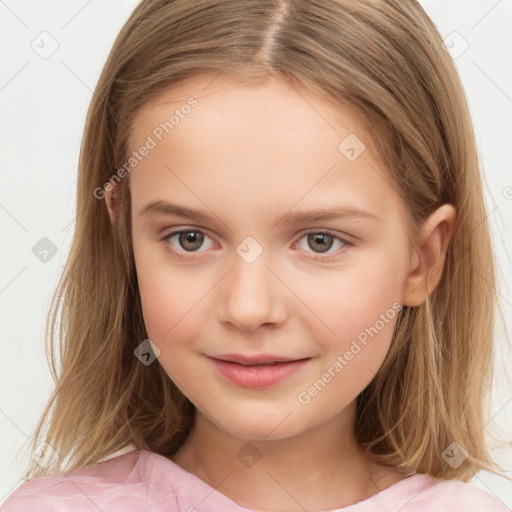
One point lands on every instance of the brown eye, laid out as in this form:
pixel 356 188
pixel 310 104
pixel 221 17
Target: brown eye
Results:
pixel 320 242
pixel 323 246
pixel 185 242
pixel 190 240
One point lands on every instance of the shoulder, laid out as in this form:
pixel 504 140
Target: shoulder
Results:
pixel 115 484
pixel 427 494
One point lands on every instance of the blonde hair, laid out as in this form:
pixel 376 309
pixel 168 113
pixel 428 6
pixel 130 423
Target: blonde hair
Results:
pixel 383 58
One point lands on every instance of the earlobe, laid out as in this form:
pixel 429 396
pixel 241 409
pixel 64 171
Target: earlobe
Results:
pixel 427 262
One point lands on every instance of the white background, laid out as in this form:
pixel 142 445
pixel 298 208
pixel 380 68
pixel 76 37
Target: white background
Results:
pixel 43 104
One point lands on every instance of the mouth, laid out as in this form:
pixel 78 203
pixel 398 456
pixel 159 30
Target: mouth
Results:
pixel 256 371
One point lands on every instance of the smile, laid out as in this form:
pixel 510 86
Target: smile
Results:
pixel 256 374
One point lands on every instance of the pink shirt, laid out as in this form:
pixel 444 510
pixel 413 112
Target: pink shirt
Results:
pixel 143 481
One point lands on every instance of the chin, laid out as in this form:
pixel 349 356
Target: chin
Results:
pixel 255 423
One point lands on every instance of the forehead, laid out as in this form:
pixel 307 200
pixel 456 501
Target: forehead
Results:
pixel 270 140
pixel 263 106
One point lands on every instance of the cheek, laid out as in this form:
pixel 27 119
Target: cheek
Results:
pixel 357 297
pixel 171 297
pixel 360 308
pixel 363 318
pixel 372 298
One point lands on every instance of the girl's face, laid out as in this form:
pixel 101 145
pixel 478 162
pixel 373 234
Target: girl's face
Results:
pixel 293 248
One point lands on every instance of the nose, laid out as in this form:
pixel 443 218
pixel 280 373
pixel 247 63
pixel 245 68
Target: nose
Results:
pixel 251 295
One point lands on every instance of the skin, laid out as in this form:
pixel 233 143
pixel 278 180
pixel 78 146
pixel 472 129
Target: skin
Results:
pixel 249 155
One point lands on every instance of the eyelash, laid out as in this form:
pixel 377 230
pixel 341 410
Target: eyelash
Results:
pixel 186 256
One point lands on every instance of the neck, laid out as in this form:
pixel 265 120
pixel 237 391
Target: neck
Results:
pixel 321 468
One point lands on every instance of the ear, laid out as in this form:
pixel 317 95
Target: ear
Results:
pixel 428 260
pixel 112 202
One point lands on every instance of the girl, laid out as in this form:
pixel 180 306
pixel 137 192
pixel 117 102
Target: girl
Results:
pixel 277 297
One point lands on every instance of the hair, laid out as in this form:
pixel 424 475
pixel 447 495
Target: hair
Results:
pixel 385 60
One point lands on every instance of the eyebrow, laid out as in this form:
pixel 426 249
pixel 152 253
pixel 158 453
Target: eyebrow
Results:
pixel 165 208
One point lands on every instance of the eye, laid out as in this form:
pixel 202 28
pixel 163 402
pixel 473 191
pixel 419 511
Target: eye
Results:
pixel 321 242
pixel 185 241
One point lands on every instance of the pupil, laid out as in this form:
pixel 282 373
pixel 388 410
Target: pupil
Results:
pixel 191 237
pixel 319 238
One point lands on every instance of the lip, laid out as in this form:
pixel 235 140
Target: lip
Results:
pixel 269 370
